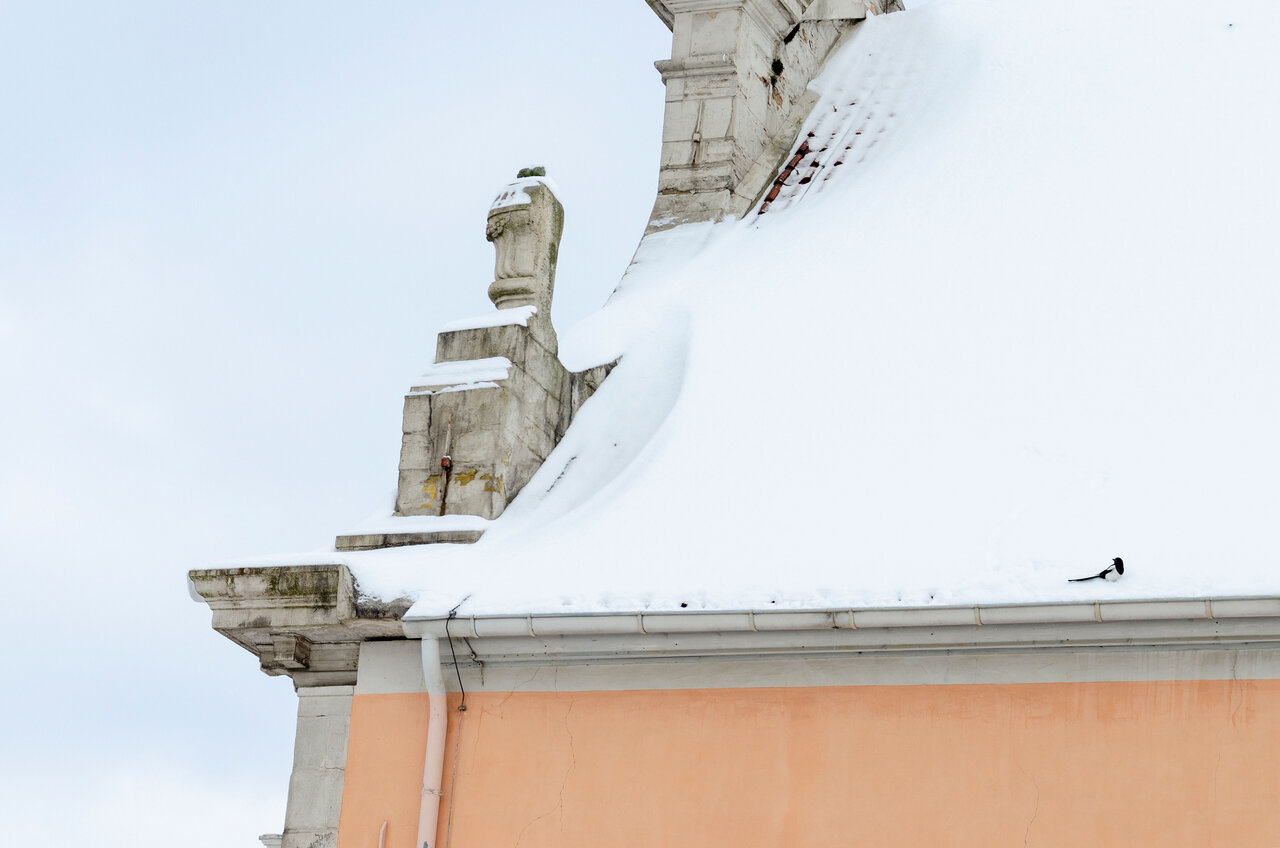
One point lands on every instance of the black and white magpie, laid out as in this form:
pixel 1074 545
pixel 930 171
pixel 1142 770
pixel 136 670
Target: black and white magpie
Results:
pixel 1111 573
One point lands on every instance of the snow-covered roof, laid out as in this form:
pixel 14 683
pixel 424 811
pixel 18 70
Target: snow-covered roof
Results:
pixel 1025 326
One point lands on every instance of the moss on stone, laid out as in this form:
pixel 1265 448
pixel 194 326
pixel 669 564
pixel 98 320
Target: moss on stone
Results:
pixel 303 584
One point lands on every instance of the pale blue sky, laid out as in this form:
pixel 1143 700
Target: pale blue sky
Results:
pixel 228 234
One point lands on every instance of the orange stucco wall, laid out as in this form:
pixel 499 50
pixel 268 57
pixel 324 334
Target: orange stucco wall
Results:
pixel 1174 763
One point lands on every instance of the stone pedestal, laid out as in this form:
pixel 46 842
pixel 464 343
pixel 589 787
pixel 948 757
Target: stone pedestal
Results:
pixel 486 415
pixel 319 766
pixel 472 442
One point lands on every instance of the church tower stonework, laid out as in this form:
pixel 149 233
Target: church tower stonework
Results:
pixel 737 92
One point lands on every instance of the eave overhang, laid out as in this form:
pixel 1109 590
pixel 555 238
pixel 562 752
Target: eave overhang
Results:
pixel 1155 624
pixel 308 621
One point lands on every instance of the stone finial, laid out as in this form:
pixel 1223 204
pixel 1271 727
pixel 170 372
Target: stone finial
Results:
pixel 525 222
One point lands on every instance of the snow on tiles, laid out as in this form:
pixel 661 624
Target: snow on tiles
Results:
pixel 1026 327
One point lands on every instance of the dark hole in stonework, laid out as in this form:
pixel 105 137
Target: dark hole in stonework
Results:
pixel 776 67
pixel 683 605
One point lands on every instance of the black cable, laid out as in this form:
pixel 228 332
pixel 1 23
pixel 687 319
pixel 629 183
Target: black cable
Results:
pixel 462 706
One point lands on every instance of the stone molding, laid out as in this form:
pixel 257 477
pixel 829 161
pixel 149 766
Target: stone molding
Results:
pixel 770 14
pixel 373 541
pixel 305 622
pixel 694 66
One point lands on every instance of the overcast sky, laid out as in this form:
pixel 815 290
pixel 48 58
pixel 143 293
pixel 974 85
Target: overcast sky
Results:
pixel 228 234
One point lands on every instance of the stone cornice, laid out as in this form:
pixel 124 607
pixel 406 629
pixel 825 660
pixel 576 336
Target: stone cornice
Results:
pixel 769 14
pixel 306 622
pixel 695 66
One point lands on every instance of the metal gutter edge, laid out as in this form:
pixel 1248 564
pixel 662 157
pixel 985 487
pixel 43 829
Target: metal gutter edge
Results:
pixel 718 621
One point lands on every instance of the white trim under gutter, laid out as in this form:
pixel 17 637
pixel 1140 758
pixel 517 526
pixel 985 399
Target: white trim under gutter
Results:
pixel 700 633
pixel 433 762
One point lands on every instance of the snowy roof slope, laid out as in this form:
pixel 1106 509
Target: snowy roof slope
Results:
pixel 1029 327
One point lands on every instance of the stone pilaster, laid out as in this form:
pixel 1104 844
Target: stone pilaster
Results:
pixel 319 765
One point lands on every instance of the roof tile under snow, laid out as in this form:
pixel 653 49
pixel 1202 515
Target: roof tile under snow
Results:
pixel 842 136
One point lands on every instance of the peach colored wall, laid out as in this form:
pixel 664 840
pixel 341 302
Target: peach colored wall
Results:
pixel 1176 763
pixel 383 780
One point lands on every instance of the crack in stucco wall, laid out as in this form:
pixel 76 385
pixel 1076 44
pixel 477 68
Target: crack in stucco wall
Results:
pixel 1035 811
pixel 559 805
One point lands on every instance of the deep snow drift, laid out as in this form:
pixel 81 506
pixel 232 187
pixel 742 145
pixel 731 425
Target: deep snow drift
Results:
pixel 1030 326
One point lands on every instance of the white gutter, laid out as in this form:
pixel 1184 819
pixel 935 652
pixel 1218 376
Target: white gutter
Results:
pixel 717 621
pixel 433 763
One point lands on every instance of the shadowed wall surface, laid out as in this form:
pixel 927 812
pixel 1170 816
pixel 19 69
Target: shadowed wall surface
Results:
pixel 1171 763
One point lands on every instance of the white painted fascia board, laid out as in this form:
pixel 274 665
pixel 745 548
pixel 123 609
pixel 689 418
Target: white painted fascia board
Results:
pixel 1199 621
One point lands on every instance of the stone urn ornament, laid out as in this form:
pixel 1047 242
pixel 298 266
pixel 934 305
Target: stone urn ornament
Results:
pixel 525 223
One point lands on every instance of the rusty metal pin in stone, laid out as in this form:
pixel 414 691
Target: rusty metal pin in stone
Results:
pixel 446 463
pixel 446 459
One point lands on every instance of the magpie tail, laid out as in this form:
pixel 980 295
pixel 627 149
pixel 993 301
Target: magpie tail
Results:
pixel 1082 579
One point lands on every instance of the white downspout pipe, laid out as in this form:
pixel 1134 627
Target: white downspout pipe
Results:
pixel 433 765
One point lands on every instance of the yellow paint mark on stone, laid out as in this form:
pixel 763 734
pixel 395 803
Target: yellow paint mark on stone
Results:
pixel 465 477
pixel 432 491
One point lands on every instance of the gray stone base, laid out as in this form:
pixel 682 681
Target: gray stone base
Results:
pixel 371 541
